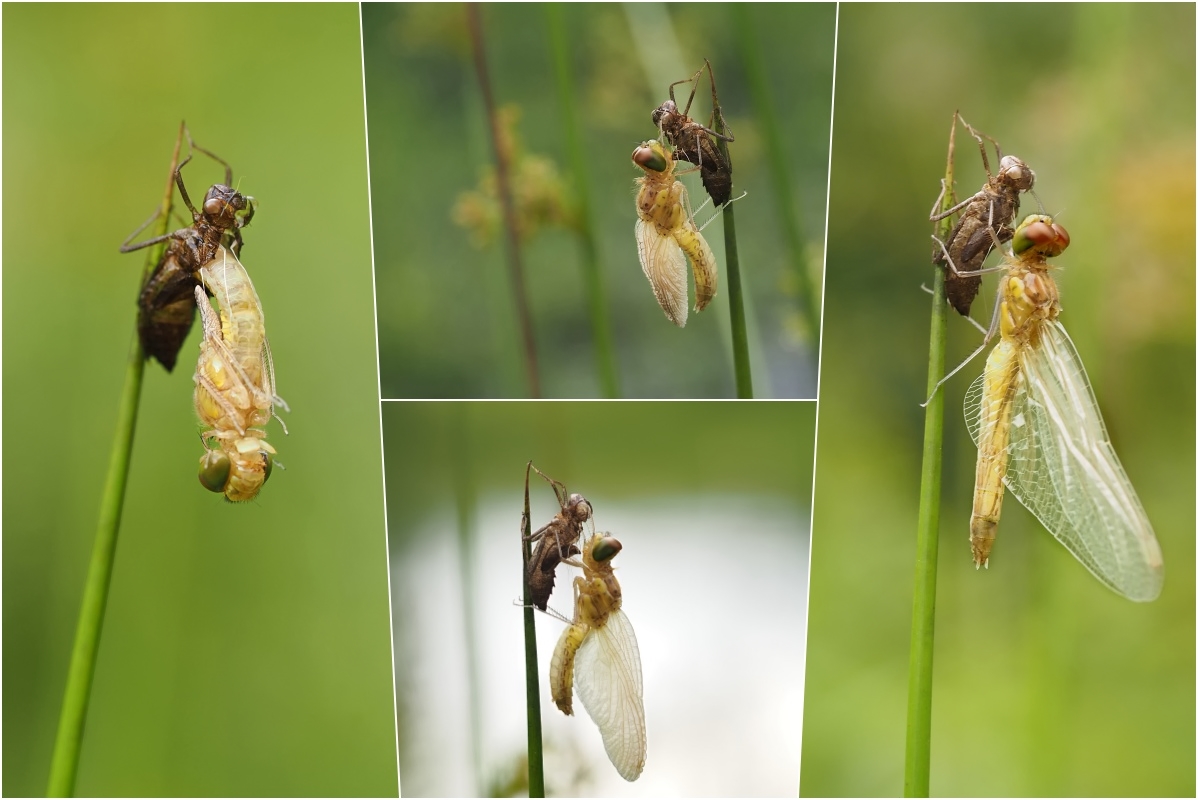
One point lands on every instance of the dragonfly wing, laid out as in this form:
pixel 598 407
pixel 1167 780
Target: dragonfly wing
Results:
pixel 665 267
pixel 607 677
pixel 1063 468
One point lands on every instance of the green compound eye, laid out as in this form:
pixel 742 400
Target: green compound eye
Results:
pixel 649 158
pixel 606 548
pixel 214 470
pixel 270 464
pixel 1041 232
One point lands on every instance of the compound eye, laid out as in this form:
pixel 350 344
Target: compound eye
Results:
pixel 270 465
pixel 214 470
pixel 1042 233
pixel 648 158
pixel 213 206
pixel 606 548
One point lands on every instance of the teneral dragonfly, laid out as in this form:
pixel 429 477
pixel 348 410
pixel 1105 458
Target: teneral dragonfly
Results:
pixel 665 229
pixel 234 382
pixel 1040 435
pixel 598 655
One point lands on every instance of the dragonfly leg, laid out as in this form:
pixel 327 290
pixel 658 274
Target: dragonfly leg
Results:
pixel 727 135
pixel 934 217
pixel 964 273
pixel 559 488
pixel 979 137
pixel 990 333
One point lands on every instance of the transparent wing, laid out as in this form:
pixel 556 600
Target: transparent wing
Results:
pixel 607 677
pixel 665 267
pixel 1064 470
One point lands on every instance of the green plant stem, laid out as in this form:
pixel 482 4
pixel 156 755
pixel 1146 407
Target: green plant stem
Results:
pixel 64 762
pixel 600 320
pixel 764 104
pixel 917 767
pixel 532 689
pixel 504 185
pixel 736 303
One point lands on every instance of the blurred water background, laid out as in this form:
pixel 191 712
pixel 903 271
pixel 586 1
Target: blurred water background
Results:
pixel 710 502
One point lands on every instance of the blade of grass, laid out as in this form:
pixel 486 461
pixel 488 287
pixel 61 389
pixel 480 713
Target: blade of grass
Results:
pixel 917 767
pixel 64 762
pixel 536 761
pixel 504 185
pixel 788 213
pixel 600 322
pixel 736 303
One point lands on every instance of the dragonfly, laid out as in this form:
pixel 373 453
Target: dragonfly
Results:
pixel 1039 433
pixel 234 382
pixel 694 142
pixel 556 541
pixel 987 219
pixel 598 655
pixel 166 305
pixel 665 229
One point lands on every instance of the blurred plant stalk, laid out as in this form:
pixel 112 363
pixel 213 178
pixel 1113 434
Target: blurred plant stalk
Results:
pixel 504 185
pixel 64 762
pixel 917 765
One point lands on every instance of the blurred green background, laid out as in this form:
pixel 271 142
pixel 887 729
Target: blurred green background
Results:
pixel 710 502
pixel 1046 683
pixel 246 649
pixel 448 326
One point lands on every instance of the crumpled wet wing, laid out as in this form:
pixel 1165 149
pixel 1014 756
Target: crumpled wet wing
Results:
pixel 665 267
pixel 607 677
pixel 1063 468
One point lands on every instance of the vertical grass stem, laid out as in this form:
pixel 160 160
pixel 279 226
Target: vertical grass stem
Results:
pixel 917 765
pixel 532 689
pixel 64 762
pixel 592 275
pixel 736 303
pixel 504 185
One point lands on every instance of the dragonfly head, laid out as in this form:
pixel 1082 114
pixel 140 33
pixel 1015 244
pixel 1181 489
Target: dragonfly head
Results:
pixel 214 470
pixel 1014 173
pixel 579 506
pixel 605 548
pixel 651 156
pixel 228 208
pixel 1039 233
pixel 663 110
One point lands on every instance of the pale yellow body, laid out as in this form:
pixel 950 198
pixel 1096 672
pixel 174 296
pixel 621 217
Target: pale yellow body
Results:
pixel 1027 298
pixel 235 386
pixel 665 230
pixel 1040 434
pixel 599 652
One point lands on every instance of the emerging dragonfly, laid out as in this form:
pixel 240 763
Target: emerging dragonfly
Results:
pixel 166 305
pixel 235 382
pixel 556 541
pixel 598 653
pixel 1039 433
pixel 693 142
pixel 665 229
pixel 987 217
